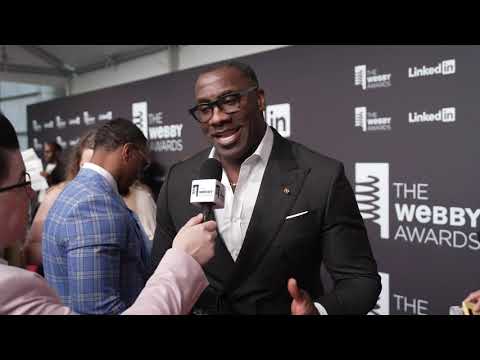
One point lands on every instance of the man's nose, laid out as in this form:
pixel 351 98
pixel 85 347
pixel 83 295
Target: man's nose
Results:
pixel 218 116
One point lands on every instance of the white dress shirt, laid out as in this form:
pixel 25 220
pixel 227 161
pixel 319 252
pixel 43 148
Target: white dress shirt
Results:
pixel 50 167
pixel 140 200
pixel 233 219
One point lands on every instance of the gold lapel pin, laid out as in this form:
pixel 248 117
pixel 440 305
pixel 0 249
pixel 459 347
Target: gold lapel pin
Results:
pixel 286 190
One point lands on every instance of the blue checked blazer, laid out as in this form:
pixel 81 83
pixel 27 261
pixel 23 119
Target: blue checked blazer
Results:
pixel 94 253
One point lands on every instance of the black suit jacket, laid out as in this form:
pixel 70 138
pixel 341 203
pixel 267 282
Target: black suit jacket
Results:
pixel 58 174
pixel 276 249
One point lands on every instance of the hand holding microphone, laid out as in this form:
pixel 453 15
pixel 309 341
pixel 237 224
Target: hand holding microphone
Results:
pixel 197 239
pixel 197 236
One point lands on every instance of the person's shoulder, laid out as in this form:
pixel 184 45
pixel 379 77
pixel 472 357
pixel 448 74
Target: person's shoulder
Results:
pixel 139 187
pixel 86 184
pixel 191 163
pixel 137 193
pixel 55 190
pixel 67 193
pixel 311 158
pixel 27 293
pixel 80 196
pixel 18 280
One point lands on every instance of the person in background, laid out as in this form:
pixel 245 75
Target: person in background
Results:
pixel 54 171
pixel 288 210
pixel 173 288
pixel 93 246
pixel 138 199
pixel 80 154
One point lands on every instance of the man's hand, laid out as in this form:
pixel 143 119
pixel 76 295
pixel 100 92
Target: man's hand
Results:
pixel 474 298
pixel 302 303
pixel 197 239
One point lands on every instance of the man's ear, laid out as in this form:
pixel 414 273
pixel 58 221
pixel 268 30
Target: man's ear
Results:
pixel 261 99
pixel 126 151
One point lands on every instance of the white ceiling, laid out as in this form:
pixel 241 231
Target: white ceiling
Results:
pixel 66 60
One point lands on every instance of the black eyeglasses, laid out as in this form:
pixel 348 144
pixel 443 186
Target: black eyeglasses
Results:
pixel 27 182
pixel 228 103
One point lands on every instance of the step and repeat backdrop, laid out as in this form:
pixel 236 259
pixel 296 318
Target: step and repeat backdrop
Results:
pixel 404 120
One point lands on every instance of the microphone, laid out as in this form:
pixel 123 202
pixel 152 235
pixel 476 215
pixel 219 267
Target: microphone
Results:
pixel 208 192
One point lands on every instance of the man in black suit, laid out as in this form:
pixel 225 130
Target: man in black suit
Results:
pixel 54 171
pixel 287 210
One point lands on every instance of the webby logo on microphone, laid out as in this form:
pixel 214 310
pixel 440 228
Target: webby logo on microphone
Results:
pixel 207 191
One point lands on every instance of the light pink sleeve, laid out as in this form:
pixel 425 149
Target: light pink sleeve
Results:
pixel 173 289
pixel 26 293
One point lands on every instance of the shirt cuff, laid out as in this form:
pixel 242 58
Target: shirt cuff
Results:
pixel 320 308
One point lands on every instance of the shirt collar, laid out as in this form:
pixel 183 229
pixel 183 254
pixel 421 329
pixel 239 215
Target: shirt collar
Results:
pixel 100 170
pixel 262 151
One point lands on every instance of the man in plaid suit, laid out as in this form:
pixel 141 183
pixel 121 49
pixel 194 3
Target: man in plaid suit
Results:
pixel 94 252
pixel 173 288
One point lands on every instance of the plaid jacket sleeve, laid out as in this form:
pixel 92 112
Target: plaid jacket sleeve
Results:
pixel 96 234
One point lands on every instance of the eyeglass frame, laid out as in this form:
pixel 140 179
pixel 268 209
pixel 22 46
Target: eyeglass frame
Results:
pixel 22 184
pixel 217 103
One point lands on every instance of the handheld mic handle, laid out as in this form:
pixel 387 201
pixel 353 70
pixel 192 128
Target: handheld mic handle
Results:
pixel 208 192
pixel 206 211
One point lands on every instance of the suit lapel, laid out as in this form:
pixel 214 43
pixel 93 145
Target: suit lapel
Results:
pixel 220 267
pixel 281 184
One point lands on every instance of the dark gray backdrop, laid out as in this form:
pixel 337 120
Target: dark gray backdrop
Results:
pixel 421 273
